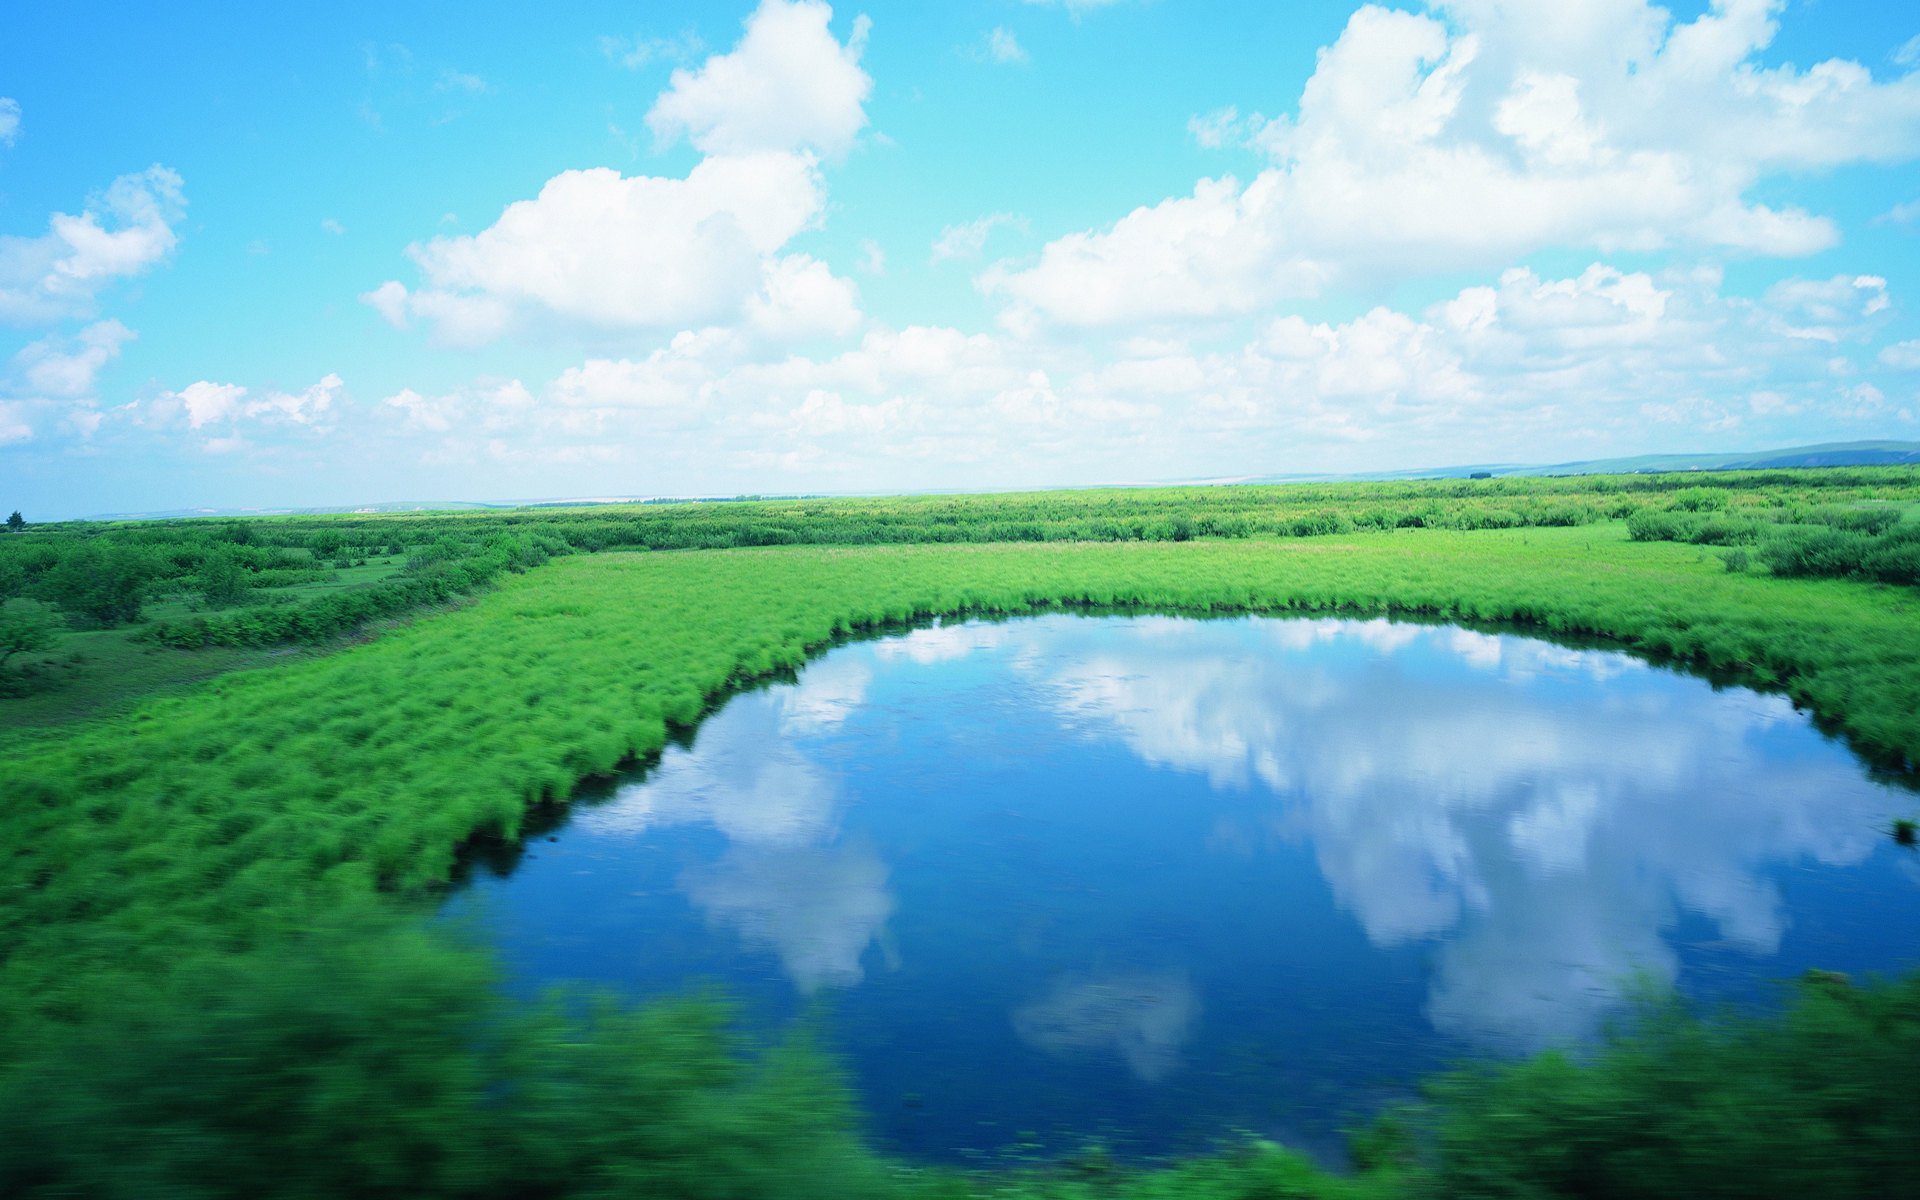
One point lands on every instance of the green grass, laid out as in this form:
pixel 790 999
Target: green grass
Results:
pixel 223 811
pixel 101 672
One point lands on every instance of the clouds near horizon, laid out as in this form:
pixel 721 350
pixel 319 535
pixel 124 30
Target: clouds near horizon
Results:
pixel 1470 230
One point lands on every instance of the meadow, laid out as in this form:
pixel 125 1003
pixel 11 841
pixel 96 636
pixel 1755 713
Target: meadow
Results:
pixel 211 961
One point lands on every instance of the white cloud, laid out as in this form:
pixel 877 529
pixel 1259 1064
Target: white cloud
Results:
pixel 676 378
pixel 205 403
pixel 800 298
pixel 604 250
pixel 1528 367
pixel 122 231
pixel 873 259
pixel 1826 310
pixel 1476 135
pixel 66 367
pixel 487 407
pixel 1217 129
pixel 1902 356
pixel 332 226
pixel 636 52
pixel 1075 7
pixel 968 240
pixel 788 85
pixel 1002 47
pixel 390 301
pixel 461 82
pixel 9 120
pixel 14 425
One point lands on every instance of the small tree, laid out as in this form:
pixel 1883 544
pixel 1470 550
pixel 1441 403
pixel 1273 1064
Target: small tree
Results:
pixel 104 584
pixel 220 581
pixel 16 522
pixel 25 628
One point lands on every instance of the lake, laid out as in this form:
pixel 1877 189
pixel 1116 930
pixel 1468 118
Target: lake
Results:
pixel 1150 880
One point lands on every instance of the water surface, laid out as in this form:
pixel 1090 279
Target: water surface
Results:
pixel 1150 879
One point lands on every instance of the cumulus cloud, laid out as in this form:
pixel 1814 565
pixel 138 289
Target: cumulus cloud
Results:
pixel 1527 367
pixel 66 367
pixel 1474 135
pixel 205 402
pixel 1902 356
pixel 9 120
pixel 121 232
pixel 600 252
pixel 789 85
pixel 605 250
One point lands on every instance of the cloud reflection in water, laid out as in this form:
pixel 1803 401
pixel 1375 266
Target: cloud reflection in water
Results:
pixel 1546 834
pixel 1142 1018
pixel 787 883
pixel 1544 816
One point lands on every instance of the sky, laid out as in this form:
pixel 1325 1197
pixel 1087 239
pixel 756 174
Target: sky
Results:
pixel 266 256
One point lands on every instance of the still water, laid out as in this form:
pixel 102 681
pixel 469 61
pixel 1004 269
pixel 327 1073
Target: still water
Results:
pixel 1149 879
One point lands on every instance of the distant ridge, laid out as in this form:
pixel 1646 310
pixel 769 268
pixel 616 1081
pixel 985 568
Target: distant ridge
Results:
pixel 1823 454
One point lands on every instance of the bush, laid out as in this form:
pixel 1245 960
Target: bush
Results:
pixel 100 582
pixel 1818 1102
pixel 373 1058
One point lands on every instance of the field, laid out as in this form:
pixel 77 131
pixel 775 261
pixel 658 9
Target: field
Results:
pixel 241 861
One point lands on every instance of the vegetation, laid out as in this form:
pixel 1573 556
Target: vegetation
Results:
pixel 25 628
pixel 176 970
pixel 313 581
pixel 1816 1102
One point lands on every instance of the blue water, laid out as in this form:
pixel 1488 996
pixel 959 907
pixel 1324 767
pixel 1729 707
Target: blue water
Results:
pixel 1151 880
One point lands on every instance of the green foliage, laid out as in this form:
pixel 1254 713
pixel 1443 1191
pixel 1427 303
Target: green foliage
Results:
pixel 1700 499
pixel 371 1058
pixel 25 628
pixel 100 582
pixel 221 580
pixel 15 522
pixel 1816 1103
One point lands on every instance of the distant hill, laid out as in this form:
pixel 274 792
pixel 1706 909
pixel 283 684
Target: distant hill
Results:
pixel 1825 454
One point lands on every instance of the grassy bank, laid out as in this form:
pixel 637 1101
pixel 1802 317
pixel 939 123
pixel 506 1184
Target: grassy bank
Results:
pixel 237 817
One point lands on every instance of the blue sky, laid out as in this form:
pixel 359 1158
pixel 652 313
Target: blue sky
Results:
pixel 260 255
